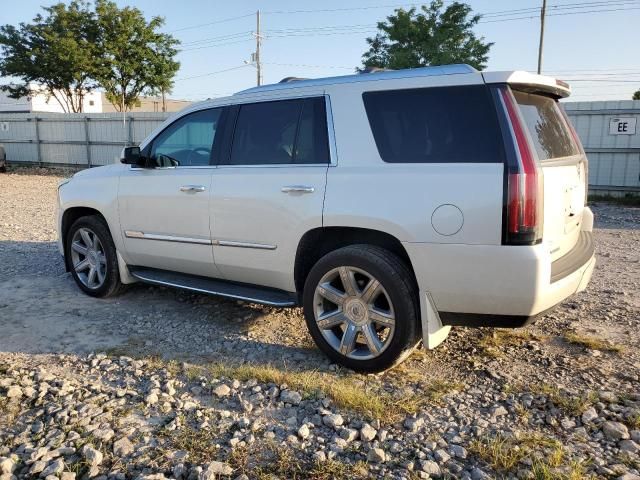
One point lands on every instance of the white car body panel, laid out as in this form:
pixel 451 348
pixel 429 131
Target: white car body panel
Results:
pixel 254 228
pixel 151 203
pixel 249 207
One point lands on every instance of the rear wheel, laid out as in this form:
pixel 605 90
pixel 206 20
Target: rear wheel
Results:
pixel 91 254
pixel 360 308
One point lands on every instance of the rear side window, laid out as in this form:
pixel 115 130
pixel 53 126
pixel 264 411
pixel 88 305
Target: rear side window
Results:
pixel 547 128
pixel 281 132
pixel 435 125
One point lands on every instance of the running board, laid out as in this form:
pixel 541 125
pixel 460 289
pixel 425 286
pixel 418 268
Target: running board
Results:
pixel 223 288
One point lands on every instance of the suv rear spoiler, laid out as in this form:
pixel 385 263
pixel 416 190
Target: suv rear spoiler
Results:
pixel 530 82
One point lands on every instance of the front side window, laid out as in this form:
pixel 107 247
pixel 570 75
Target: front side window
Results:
pixel 281 133
pixel 187 142
pixel 435 125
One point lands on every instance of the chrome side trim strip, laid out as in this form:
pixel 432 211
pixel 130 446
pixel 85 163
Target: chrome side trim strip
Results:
pixel 165 238
pixel 208 291
pixel 229 243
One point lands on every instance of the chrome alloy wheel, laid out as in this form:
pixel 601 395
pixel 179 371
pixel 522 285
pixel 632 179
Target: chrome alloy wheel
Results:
pixel 88 258
pixel 354 313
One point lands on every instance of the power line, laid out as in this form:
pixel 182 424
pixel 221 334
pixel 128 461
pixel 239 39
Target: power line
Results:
pixel 200 25
pixel 211 73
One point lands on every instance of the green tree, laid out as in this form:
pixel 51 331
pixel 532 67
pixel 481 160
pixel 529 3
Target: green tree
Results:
pixel 433 36
pixel 53 55
pixel 636 96
pixel 134 57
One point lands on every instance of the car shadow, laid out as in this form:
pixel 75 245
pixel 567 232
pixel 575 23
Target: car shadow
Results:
pixel 43 311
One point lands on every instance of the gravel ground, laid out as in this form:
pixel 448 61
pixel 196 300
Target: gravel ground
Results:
pixel 160 383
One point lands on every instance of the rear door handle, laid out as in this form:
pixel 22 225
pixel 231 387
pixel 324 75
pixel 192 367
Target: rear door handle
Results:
pixel 192 188
pixel 297 189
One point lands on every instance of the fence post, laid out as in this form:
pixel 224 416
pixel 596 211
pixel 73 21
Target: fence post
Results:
pixel 87 138
pixel 130 131
pixel 37 120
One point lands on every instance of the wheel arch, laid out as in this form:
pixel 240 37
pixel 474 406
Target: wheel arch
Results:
pixel 69 216
pixel 317 242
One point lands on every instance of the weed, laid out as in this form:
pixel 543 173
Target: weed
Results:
pixel 592 343
pixel 492 343
pixel 628 199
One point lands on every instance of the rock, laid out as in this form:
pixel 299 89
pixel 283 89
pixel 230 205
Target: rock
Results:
pixel 615 431
pixel 151 399
pixel 7 465
pixel 222 391
pixel 459 451
pixel 628 476
pixel 37 467
pixel 479 474
pixel 214 469
pixel 290 396
pixel 367 433
pixel 54 468
pixel 348 434
pixel 68 476
pixel 499 411
pixel 629 446
pixel 105 434
pixel 333 420
pixel 442 456
pixel 635 435
pixel 413 424
pixel 93 456
pixel 376 455
pixel 320 456
pixel 122 447
pixel 14 391
pixel 430 467
pixel 589 415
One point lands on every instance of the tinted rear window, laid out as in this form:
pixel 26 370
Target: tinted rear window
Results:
pixel 547 128
pixel 435 125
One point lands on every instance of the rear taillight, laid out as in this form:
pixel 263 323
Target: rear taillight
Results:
pixel 524 187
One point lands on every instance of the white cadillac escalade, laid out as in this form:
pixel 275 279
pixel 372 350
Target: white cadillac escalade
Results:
pixel 389 205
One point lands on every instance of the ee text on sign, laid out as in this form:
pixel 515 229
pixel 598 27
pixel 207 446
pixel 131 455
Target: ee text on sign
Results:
pixel 622 126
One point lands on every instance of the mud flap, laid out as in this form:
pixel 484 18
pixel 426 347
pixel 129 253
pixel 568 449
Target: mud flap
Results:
pixel 433 332
pixel 125 276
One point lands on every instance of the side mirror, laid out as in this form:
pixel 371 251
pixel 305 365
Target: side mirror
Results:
pixel 132 156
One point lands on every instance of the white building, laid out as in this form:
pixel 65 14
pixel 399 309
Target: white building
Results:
pixel 39 102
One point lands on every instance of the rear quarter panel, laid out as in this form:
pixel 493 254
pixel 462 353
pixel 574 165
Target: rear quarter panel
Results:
pixel 400 199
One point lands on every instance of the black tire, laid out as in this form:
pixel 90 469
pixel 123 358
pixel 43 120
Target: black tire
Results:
pixel 111 285
pixel 395 278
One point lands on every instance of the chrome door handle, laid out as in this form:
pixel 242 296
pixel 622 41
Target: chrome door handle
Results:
pixel 192 188
pixel 297 189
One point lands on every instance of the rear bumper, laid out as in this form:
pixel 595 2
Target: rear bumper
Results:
pixel 500 286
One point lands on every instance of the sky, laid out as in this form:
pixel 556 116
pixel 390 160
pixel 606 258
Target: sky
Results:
pixel 592 44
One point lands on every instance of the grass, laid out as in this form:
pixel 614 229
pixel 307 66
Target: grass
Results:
pixel 547 455
pixel 201 444
pixel 628 199
pixel 492 343
pixel 350 391
pixel 270 461
pixel 592 343
pixel 573 405
pixel 633 420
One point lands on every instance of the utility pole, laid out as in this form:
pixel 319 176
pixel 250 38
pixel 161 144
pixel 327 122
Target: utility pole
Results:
pixel 543 12
pixel 257 54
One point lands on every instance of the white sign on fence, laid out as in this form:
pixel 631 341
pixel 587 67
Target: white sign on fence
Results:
pixel 622 126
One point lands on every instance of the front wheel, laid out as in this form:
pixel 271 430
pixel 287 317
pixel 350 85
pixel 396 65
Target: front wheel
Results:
pixel 360 307
pixel 91 254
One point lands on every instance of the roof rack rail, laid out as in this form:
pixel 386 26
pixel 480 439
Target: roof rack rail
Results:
pixel 292 79
pixel 375 70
